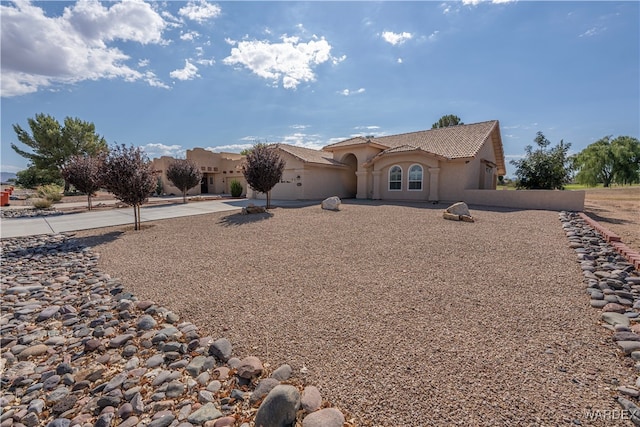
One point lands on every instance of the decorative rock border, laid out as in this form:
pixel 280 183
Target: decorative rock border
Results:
pixel 611 274
pixel 79 350
pixel 28 212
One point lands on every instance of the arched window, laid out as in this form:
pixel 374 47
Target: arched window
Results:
pixel 395 178
pixel 415 178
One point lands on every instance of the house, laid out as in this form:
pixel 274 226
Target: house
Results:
pixel 218 170
pixel 430 165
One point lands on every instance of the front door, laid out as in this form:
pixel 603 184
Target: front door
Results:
pixel 204 188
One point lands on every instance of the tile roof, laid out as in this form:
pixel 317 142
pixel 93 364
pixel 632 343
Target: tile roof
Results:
pixel 309 155
pixel 454 142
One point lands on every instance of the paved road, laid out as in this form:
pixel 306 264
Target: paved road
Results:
pixel 17 227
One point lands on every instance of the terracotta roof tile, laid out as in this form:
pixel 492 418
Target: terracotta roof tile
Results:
pixel 309 155
pixel 454 142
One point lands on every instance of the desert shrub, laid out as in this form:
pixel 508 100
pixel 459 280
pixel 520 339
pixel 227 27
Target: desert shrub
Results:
pixel 236 188
pixel 50 192
pixel 40 203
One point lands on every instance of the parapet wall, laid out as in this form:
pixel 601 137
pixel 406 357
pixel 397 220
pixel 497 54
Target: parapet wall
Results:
pixel 555 200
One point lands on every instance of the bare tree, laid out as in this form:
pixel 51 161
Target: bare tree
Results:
pixel 128 174
pixel 85 174
pixel 184 174
pixel 263 169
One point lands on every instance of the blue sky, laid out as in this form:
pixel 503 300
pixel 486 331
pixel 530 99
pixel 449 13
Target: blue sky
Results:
pixel 169 76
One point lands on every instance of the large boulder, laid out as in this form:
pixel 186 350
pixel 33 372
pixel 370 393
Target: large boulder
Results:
pixel 332 203
pixel 458 212
pixel 279 408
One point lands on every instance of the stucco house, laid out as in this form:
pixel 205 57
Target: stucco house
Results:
pixel 430 165
pixel 218 170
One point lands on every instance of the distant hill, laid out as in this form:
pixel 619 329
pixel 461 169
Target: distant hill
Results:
pixel 6 176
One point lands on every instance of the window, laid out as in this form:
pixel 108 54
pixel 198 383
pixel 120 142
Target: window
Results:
pixel 210 180
pixel 395 178
pixel 415 178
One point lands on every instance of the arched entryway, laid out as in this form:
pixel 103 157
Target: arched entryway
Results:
pixel 351 180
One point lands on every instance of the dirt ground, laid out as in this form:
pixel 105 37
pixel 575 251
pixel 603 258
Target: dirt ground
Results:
pixel 618 209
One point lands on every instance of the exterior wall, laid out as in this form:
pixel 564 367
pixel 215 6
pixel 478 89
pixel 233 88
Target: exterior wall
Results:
pixel 160 165
pixel 218 169
pixel 380 173
pixel 525 199
pixel 322 182
pixel 306 181
pixel 363 154
pixel 454 178
pixel 287 188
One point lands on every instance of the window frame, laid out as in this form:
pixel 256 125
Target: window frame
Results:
pixel 421 181
pixel 395 181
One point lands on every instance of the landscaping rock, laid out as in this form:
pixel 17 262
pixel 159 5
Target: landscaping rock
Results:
pixel 279 407
pixel 328 417
pixel 331 203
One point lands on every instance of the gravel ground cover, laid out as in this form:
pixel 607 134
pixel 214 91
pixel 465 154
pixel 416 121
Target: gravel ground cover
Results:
pixel 398 316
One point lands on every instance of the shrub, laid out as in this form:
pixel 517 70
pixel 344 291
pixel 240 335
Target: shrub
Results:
pixel 236 188
pixel 41 203
pixel 50 192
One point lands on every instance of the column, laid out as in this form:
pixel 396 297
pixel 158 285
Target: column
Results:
pixel 376 185
pixel 434 177
pixel 361 189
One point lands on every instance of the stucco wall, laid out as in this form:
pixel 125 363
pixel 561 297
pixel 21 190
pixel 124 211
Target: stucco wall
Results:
pixel 219 169
pixel 525 199
pixel 323 182
pixel 453 179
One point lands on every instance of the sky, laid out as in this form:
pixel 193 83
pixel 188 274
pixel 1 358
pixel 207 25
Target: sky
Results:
pixel 174 75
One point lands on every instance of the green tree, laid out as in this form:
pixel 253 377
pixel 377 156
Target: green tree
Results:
pixel 608 161
pixel 33 177
pixel 184 174
pixel 263 169
pixel 128 174
pixel 446 121
pixel 84 173
pixel 543 168
pixel 51 144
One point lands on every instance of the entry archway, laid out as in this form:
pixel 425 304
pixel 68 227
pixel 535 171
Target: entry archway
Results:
pixel 350 179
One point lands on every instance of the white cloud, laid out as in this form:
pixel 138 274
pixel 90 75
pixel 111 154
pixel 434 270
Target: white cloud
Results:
pixel 433 36
pixel 366 127
pixel 594 31
pixel 154 150
pixel 143 63
pixel 396 38
pixel 230 148
pixel 206 62
pixel 300 139
pixel 189 72
pixel 399 61
pixel 290 61
pixel 347 92
pixel 200 11
pixel 189 35
pixel 39 51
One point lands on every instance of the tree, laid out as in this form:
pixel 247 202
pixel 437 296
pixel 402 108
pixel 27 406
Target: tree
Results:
pixel 446 121
pixel 127 173
pixel 184 174
pixel 85 174
pixel 609 161
pixel 263 169
pixel 51 144
pixel 32 177
pixel 545 168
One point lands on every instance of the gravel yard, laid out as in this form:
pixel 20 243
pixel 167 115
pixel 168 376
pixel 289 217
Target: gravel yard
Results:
pixel 400 317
